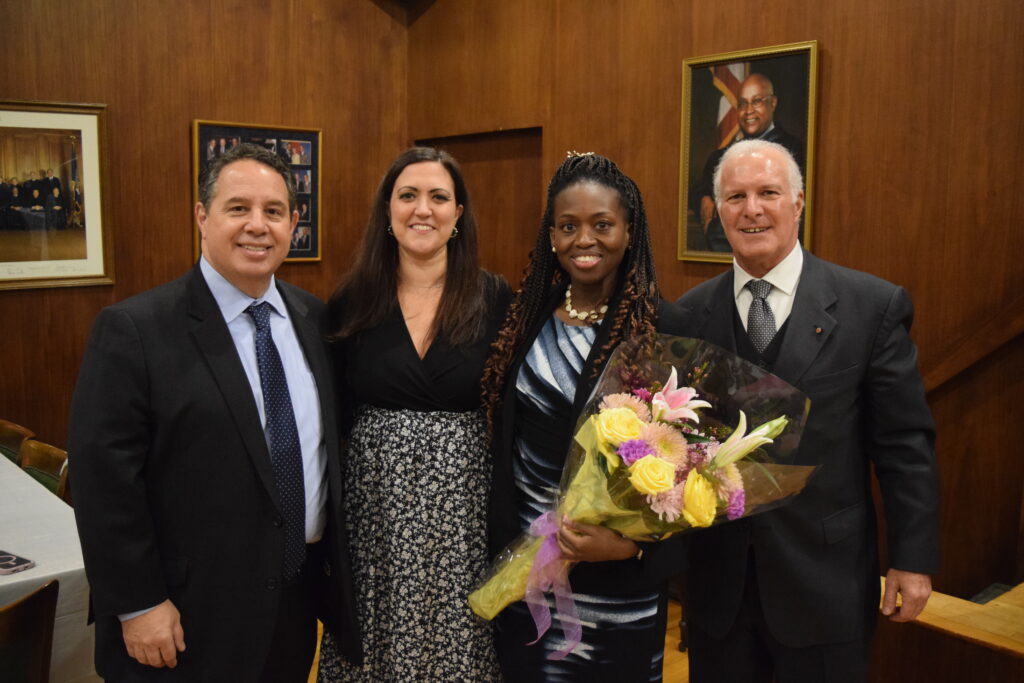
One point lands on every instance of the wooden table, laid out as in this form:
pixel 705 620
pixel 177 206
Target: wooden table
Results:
pixel 36 524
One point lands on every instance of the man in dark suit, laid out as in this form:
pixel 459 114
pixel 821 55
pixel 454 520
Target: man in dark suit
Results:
pixel 204 448
pixel 794 592
pixel 5 193
pixel 756 108
pixel 51 181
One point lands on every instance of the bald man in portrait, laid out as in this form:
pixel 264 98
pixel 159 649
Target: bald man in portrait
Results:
pixel 756 107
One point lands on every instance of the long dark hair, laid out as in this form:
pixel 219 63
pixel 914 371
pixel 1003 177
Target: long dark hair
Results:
pixel 633 306
pixel 367 294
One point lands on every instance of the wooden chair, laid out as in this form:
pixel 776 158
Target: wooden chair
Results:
pixel 26 635
pixel 11 437
pixel 46 464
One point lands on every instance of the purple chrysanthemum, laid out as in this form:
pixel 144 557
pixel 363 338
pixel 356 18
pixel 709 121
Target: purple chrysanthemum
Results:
pixel 700 453
pixel 737 503
pixel 643 395
pixel 634 449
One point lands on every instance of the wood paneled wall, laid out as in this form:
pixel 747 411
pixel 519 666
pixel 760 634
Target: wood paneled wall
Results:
pixel 917 173
pixel 338 66
pixel 27 154
pixel 917 168
pixel 510 160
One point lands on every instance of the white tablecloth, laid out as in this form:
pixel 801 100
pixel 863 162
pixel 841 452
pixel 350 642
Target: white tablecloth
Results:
pixel 36 524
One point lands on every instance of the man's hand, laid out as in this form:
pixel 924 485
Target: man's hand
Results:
pixel 156 637
pixel 914 590
pixel 590 543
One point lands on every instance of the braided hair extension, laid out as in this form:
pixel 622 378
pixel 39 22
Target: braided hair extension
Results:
pixel 636 294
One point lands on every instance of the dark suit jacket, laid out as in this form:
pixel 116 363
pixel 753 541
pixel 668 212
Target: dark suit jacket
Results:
pixel 660 560
pixel 174 488
pixel 817 558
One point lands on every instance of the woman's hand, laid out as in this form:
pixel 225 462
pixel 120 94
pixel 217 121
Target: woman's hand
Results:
pixel 590 543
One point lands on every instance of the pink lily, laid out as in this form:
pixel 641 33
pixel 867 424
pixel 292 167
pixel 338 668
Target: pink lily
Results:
pixel 672 404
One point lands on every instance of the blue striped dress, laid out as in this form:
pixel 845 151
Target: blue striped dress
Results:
pixel 623 628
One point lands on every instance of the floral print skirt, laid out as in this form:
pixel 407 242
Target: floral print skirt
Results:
pixel 415 499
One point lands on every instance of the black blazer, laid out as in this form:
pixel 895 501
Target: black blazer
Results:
pixel 846 346
pixel 174 489
pixel 660 560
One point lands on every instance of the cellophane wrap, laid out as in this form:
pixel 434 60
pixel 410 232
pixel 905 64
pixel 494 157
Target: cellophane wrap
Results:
pixel 678 435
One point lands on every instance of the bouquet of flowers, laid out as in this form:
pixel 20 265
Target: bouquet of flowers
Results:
pixel 651 458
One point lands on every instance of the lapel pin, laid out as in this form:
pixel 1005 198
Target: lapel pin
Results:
pixel 817 330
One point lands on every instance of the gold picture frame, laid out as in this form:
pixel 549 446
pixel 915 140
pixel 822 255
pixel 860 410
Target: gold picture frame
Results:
pixel 54 230
pixel 782 83
pixel 300 148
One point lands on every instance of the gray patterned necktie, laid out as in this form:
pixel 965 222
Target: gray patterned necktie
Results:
pixel 760 319
pixel 282 439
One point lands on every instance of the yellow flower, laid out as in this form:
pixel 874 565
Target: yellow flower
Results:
pixel 699 500
pixel 615 425
pixel 652 475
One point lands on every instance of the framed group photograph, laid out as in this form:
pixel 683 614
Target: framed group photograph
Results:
pixel 300 150
pixel 766 93
pixel 53 231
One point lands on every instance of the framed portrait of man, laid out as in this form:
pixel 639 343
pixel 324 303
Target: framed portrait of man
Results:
pixel 766 93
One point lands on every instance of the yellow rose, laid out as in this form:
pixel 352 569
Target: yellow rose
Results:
pixel 652 475
pixel 615 425
pixel 700 504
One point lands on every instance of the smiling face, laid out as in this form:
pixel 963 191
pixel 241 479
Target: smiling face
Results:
pixel 759 212
pixel 247 229
pixel 423 209
pixel 590 235
pixel 756 105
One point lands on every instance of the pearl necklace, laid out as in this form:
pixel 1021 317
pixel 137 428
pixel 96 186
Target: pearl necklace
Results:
pixel 589 316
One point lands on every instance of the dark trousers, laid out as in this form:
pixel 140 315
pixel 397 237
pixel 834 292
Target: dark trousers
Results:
pixel 749 653
pixel 294 641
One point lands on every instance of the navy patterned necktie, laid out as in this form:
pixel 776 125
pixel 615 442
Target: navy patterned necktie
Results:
pixel 760 319
pixel 282 439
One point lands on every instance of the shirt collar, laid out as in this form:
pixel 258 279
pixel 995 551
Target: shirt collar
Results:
pixel 769 129
pixel 784 276
pixel 231 300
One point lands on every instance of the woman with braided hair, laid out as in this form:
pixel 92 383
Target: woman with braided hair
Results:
pixel 589 285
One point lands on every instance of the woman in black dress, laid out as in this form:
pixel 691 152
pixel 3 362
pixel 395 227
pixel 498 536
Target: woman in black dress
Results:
pixel 590 285
pixel 412 321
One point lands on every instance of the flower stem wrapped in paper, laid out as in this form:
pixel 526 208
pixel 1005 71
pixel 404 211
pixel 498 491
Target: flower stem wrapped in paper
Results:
pixel 678 435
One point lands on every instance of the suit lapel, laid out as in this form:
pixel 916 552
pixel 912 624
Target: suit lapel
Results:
pixel 211 334
pixel 715 322
pixel 810 322
pixel 310 335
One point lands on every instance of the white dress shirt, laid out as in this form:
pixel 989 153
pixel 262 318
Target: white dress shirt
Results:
pixel 301 384
pixel 784 278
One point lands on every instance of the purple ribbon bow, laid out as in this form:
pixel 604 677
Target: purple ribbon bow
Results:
pixel 551 572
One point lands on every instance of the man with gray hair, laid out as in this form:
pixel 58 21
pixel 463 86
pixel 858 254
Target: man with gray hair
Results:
pixel 794 593
pixel 756 107
pixel 204 447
